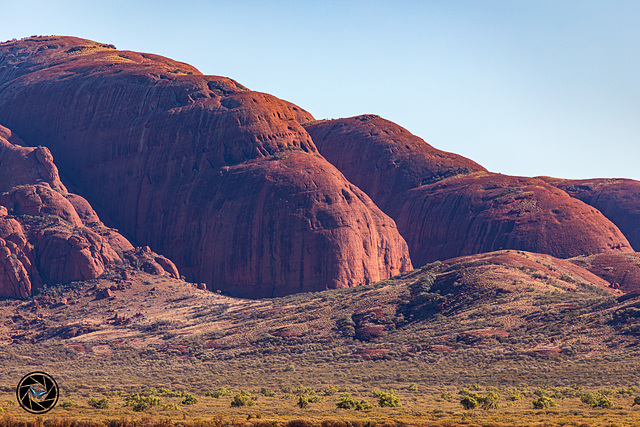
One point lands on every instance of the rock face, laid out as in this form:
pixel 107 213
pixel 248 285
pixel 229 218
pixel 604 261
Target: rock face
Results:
pixel 382 158
pixel 15 260
pixel 483 213
pixel 446 206
pixel 41 234
pixel 223 180
pixel 46 233
pixel 25 164
pixel 617 199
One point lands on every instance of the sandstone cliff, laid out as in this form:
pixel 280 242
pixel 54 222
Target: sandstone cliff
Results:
pixel 47 235
pixel 617 199
pixel 446 205
pixel 221 179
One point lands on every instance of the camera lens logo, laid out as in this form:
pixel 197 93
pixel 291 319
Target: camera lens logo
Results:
pixel 37 392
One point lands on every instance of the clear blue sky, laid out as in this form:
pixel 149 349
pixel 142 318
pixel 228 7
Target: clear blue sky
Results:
pixel 535 87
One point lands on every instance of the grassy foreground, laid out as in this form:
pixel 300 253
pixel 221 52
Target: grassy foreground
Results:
pixel 503 334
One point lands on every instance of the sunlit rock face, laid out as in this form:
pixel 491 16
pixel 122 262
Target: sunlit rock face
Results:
pixel 446 205
pixel 223 180
pixel 617 199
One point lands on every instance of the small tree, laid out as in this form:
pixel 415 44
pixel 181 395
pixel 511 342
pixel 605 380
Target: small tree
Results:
pixel 636 401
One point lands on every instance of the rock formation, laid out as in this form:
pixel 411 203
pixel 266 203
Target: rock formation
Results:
pixel 47 235
pixel 617 199
pixel 223 180
pixel 382 158
pixel 446 205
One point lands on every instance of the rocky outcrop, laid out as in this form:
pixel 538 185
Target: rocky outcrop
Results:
pixel 47 235
pixel 22 164
pixel 617 199
pixel 223 180
pixel 446 205
pixel 562 274
pixel 17 273
pixel 148 261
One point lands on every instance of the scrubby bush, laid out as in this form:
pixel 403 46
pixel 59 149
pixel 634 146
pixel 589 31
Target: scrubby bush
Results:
pixel 99 403
pixel 219 392
pixel 468 402
pixel 363 405
pixel 189 399
pixel 68 404
pixel 169 393
pixel 139 403
pixel 589 398
pixel 346 401
pixel 472 400
pixel 331 390
pixel 636 401
pixel 387 398
pixel 242 399
pixel 603 402
pixel 490 401
pixel 447 395
pixel 544 402
pixel 303 402
pixel 596 400
pixel 267 392
pixel 515 395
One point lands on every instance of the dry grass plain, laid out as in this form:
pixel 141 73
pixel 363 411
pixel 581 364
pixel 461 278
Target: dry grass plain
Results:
pixel 516 324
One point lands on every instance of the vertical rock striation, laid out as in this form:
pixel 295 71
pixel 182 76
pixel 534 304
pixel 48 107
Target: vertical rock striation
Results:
pixel 223 180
